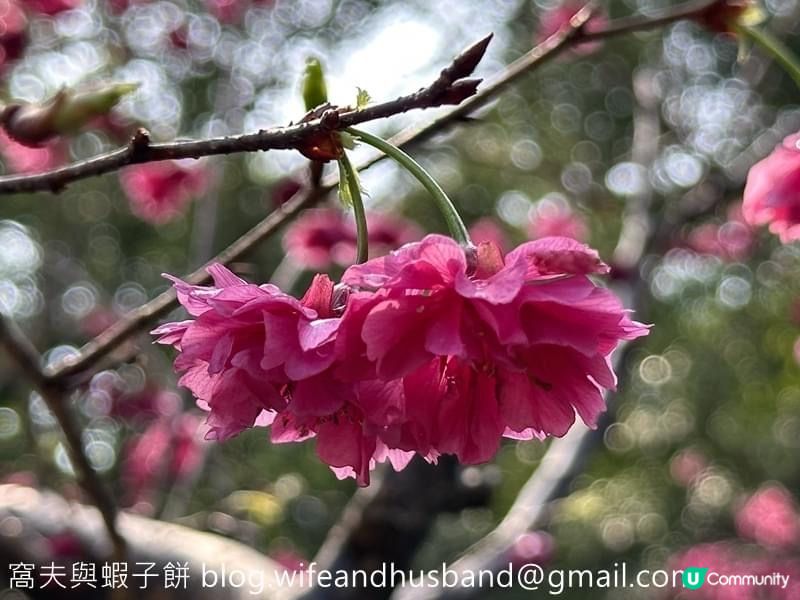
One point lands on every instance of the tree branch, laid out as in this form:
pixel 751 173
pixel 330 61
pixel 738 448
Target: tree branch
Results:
pixel 450 87
pixel 28 360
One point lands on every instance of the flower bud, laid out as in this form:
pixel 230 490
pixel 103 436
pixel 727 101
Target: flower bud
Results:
pixel 315 92
pixel 66 113
pixel 722 16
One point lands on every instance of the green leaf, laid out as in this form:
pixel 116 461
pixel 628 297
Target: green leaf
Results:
pixel 345 191
pixel 349 184
pixel 362 98
pixel 315 92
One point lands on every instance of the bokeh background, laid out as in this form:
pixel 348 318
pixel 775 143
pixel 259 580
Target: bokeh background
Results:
pixel 708 417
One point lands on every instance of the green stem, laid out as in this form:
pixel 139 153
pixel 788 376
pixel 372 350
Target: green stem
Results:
pixel 362 242
pixel 772 46
pixel 454 222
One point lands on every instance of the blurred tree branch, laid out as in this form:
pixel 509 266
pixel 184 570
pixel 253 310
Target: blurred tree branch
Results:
pixel 28 360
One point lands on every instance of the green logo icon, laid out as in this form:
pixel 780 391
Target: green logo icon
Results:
pixel 694 578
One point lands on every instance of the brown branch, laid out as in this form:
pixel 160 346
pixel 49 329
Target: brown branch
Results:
pixel 450 87
pixel 694 9
pixel 28 360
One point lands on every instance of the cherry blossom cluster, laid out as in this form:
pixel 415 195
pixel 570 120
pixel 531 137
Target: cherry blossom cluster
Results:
pixel 434 349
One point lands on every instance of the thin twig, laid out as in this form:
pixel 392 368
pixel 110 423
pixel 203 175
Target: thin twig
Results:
pixel 28 360
pixel 451 87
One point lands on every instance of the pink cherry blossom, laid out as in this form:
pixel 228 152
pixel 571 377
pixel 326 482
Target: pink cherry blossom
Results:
pixel 430 350
pixel 159 191
pixel 772 191
pixel 51 7
pixel 511 346
pixel 23 159
pixel 321 238
pixel 13 32
pixel 234 369
pixel 555 19
pixel 254 356
pixel 550 219
pixel 730 241
pixel 770 517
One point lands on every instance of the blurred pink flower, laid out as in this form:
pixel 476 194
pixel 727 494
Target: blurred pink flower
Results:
pixel 169 450
pixel 324 237
pixel 27 160
pixel 283 190
pixel 13 32
pixel 232 11
pixel 772 191
pixel 537 547
pixel 488 229
pixel 770 517
pixel 553 219
pixel 159 192
pixel 687 465
pixel 65 546
pixel 555 19
pixel 731 241
pixel 51 7
pixel 289 559
pixel 120 6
